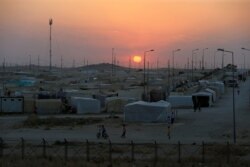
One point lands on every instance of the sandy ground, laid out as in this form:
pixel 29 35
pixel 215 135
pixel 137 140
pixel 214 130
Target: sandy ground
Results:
pixel 214 124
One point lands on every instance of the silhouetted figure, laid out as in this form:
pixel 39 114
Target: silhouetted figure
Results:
pixel 123 131
pixel 98 135
pixel 169 124
pixel 199 104
pixel 172 117
pixel 104 132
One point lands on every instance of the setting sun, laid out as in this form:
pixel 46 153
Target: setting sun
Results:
pixel 137 59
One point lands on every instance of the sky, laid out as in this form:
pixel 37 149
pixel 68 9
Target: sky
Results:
pixel 89 29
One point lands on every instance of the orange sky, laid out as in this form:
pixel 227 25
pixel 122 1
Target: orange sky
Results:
pixel 89 29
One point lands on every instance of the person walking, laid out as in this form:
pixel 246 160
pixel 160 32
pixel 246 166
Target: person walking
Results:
pixel 123 131
pixel 169 124
pixel 238 91
pixel 172 117
pixel 104 132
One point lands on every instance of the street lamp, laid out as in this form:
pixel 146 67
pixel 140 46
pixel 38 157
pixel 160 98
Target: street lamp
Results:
pixel 214 57
pixel 234 84
pixel 144 72
pixel 244 55
pixel 193 63
pixel 173 65
pixel 203 50
pixel 245 49
pixel 50 51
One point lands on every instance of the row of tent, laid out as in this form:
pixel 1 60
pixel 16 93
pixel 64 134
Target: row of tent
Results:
pixel 141 111
pixel 134 110
pixel 210 92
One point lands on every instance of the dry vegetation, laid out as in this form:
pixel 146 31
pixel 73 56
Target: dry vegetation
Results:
pixel 33 121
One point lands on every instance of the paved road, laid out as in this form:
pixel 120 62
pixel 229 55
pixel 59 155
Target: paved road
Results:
pixel 214 124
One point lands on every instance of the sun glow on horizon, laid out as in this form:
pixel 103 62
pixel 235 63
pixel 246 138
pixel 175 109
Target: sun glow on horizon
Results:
pixel 137 59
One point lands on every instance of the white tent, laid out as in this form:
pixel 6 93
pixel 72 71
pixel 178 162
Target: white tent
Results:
pixel 214 97
pixel 141 111
pixel 218 84
pixel 217 91
pixel 180 101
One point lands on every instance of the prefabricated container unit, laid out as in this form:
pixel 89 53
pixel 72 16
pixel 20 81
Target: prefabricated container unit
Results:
pixel 12 104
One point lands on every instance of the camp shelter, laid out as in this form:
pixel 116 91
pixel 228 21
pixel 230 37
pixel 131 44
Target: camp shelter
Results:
pixel 11 104
pixel 180 101
pixel 217 91
pixel 88 105
pixel 29 105
pixel 147 112
pixel 218 84
pixel 204 98
pixel 117 104
pixel 203 83
pixel 74 101
pixel 48 106
pixel 214 97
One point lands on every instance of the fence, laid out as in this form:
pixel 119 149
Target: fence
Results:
pixel 106 151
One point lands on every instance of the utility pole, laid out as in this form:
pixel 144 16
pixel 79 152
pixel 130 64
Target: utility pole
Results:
pixel 168 76
pixel 38 62
pixel 50 51
pixel 61 62
pixel 30 62
pixel 129 63
pixel 112 63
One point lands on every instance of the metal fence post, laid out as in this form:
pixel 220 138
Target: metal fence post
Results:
pixel 132 151
pixel 179 151
pixel 110 152
pixel 22 148
pixel 65 149
pixel 203 152
pixel 44 148
pixel 87 150
pixel 156 152
pixel 1 147
pixel 228 152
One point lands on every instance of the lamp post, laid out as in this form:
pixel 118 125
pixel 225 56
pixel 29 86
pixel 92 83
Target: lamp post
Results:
pixel 50 51
pixel 244 55
pixel 193 63
pixel 245 49
pixel 215 56
pixel 234 124
pixel 144 72
pixel 173 64
pixel 203 52
pixel 244 62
